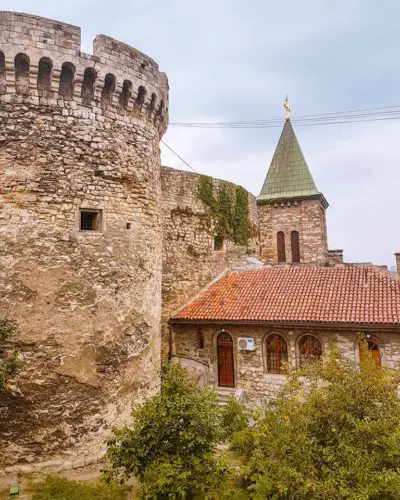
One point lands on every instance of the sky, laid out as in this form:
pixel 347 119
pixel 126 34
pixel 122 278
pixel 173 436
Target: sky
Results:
pixel 234 60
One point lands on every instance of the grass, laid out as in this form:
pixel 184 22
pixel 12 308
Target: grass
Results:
pixel 55 487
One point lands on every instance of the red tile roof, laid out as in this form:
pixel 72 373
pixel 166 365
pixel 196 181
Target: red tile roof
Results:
pixel 349 294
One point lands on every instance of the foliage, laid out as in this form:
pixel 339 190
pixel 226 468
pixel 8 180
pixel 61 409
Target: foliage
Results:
pixel 55 487
pixel 8 362
pixel 234 418
pixel 241 219
pixel 229 209
pixel 334 432
pixel 170 446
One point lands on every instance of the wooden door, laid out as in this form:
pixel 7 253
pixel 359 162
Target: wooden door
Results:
pixel 226 375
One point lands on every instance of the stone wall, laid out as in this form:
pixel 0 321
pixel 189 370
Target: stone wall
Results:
pixel 77 132
pixel 305 216
pixel 189 259
pixel 251 367
pixel 335 257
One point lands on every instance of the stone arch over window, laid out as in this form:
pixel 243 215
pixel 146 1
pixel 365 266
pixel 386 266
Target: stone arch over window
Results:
pixel 277 352
pixel 45 71
pixel 372 347
pixel 88 85
pixel 310 349
pixel 295 246
pixel 22 66
pixel 110 83
pixel 125 94
pixel 141 96
pixel 153 103
pixel 280 243
pixel 3 88
pixel 67 80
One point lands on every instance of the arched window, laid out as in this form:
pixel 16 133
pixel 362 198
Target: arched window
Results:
pixel 3 88
pixel 110 83
pixel 125 94
pixel 21 65
pixel 152 105
pixel 277 353
pixel 66 87
pixel 372 347
pixel 310 349
pixel 280 241
pixel 44 75
pixel 87 91
pixel 140 97
pixel 295 245
pixel 160 110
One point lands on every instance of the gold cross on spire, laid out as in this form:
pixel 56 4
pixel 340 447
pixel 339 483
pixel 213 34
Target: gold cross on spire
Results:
pixel 287 108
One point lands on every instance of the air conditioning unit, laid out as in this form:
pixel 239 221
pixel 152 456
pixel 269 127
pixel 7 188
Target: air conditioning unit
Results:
pixel 246 344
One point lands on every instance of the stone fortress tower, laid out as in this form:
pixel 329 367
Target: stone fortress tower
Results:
pixel 80 235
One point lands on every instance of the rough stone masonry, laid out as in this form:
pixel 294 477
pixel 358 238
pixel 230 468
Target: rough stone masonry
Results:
pixel 80 236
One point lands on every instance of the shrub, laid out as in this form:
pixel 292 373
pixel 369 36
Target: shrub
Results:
pixel 234 418
pixel 334 432
pixel 55 487
pixel 170 445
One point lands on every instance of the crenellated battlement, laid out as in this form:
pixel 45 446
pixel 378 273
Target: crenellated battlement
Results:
pixel 41 60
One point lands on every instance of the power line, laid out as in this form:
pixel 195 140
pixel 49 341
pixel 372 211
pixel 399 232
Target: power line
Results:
pixel 178 156
pixel 337 117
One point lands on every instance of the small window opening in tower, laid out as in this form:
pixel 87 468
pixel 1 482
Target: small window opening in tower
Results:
pixel 125 94
pixel 110 84
pixel 295 244
pixel 3 88
pixel 66 87
pixel 90 220
pixel 280 241
pixel 218 242
pixel 87 91
pixel 140 97
pixel 44 75
pixel 22 65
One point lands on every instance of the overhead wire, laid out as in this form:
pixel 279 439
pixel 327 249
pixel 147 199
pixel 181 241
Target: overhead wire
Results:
pixel 178 156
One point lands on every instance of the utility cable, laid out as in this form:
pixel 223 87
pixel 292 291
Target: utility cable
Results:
pixel 178 156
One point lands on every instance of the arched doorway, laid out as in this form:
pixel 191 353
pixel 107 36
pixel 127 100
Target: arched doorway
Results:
pixel 226 376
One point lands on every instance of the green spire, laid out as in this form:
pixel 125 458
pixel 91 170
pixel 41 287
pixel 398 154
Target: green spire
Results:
pixel 288 175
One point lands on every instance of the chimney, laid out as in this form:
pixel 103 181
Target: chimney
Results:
pixel 398 262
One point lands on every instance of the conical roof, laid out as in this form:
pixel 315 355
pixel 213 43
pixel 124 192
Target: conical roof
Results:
pixel 288 175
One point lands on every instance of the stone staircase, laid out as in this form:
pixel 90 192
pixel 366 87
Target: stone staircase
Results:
pixel 224 394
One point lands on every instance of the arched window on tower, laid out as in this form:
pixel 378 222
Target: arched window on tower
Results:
pixel 21 65
pixel 3 88
pixel 110 83
pixel 280 241
pixel 295 245
pixel 277 353
pixel 140 97
pixel 44 76
pixel 310 349
pixel 66 87
pixel 125 94
pixel 370 345
pixel 152 105
pixel 87 91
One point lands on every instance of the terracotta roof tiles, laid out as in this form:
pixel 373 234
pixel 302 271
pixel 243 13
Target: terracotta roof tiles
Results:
pixel 349 294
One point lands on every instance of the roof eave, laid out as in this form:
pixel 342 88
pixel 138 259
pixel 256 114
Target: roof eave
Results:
pixel 264 200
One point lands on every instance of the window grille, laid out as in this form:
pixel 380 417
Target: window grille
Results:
pixel 310 349
pixel 90 220
pixel 277 353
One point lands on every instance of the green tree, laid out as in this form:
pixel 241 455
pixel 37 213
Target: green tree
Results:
pixel 333 432
pixel 8 360
pixel 170 446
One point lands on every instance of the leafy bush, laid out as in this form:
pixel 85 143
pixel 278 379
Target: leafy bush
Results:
pixel 334 432
pixel 234 418
pixel 8 361
pixel 170 446
pixel 55 487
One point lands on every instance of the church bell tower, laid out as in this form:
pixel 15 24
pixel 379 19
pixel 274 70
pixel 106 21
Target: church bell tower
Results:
pixel 291 210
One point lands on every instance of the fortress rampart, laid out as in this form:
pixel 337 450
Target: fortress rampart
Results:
pixel 80 237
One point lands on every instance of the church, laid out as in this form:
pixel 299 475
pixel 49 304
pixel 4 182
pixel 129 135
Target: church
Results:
pixel 239 332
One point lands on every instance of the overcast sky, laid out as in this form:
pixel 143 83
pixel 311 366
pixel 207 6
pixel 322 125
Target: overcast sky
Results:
pixel 231 60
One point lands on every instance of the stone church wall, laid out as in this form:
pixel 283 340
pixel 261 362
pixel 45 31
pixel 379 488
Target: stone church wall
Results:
pixel 305 216
pixel 189 259
pixel 77 131
pixel 251 374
